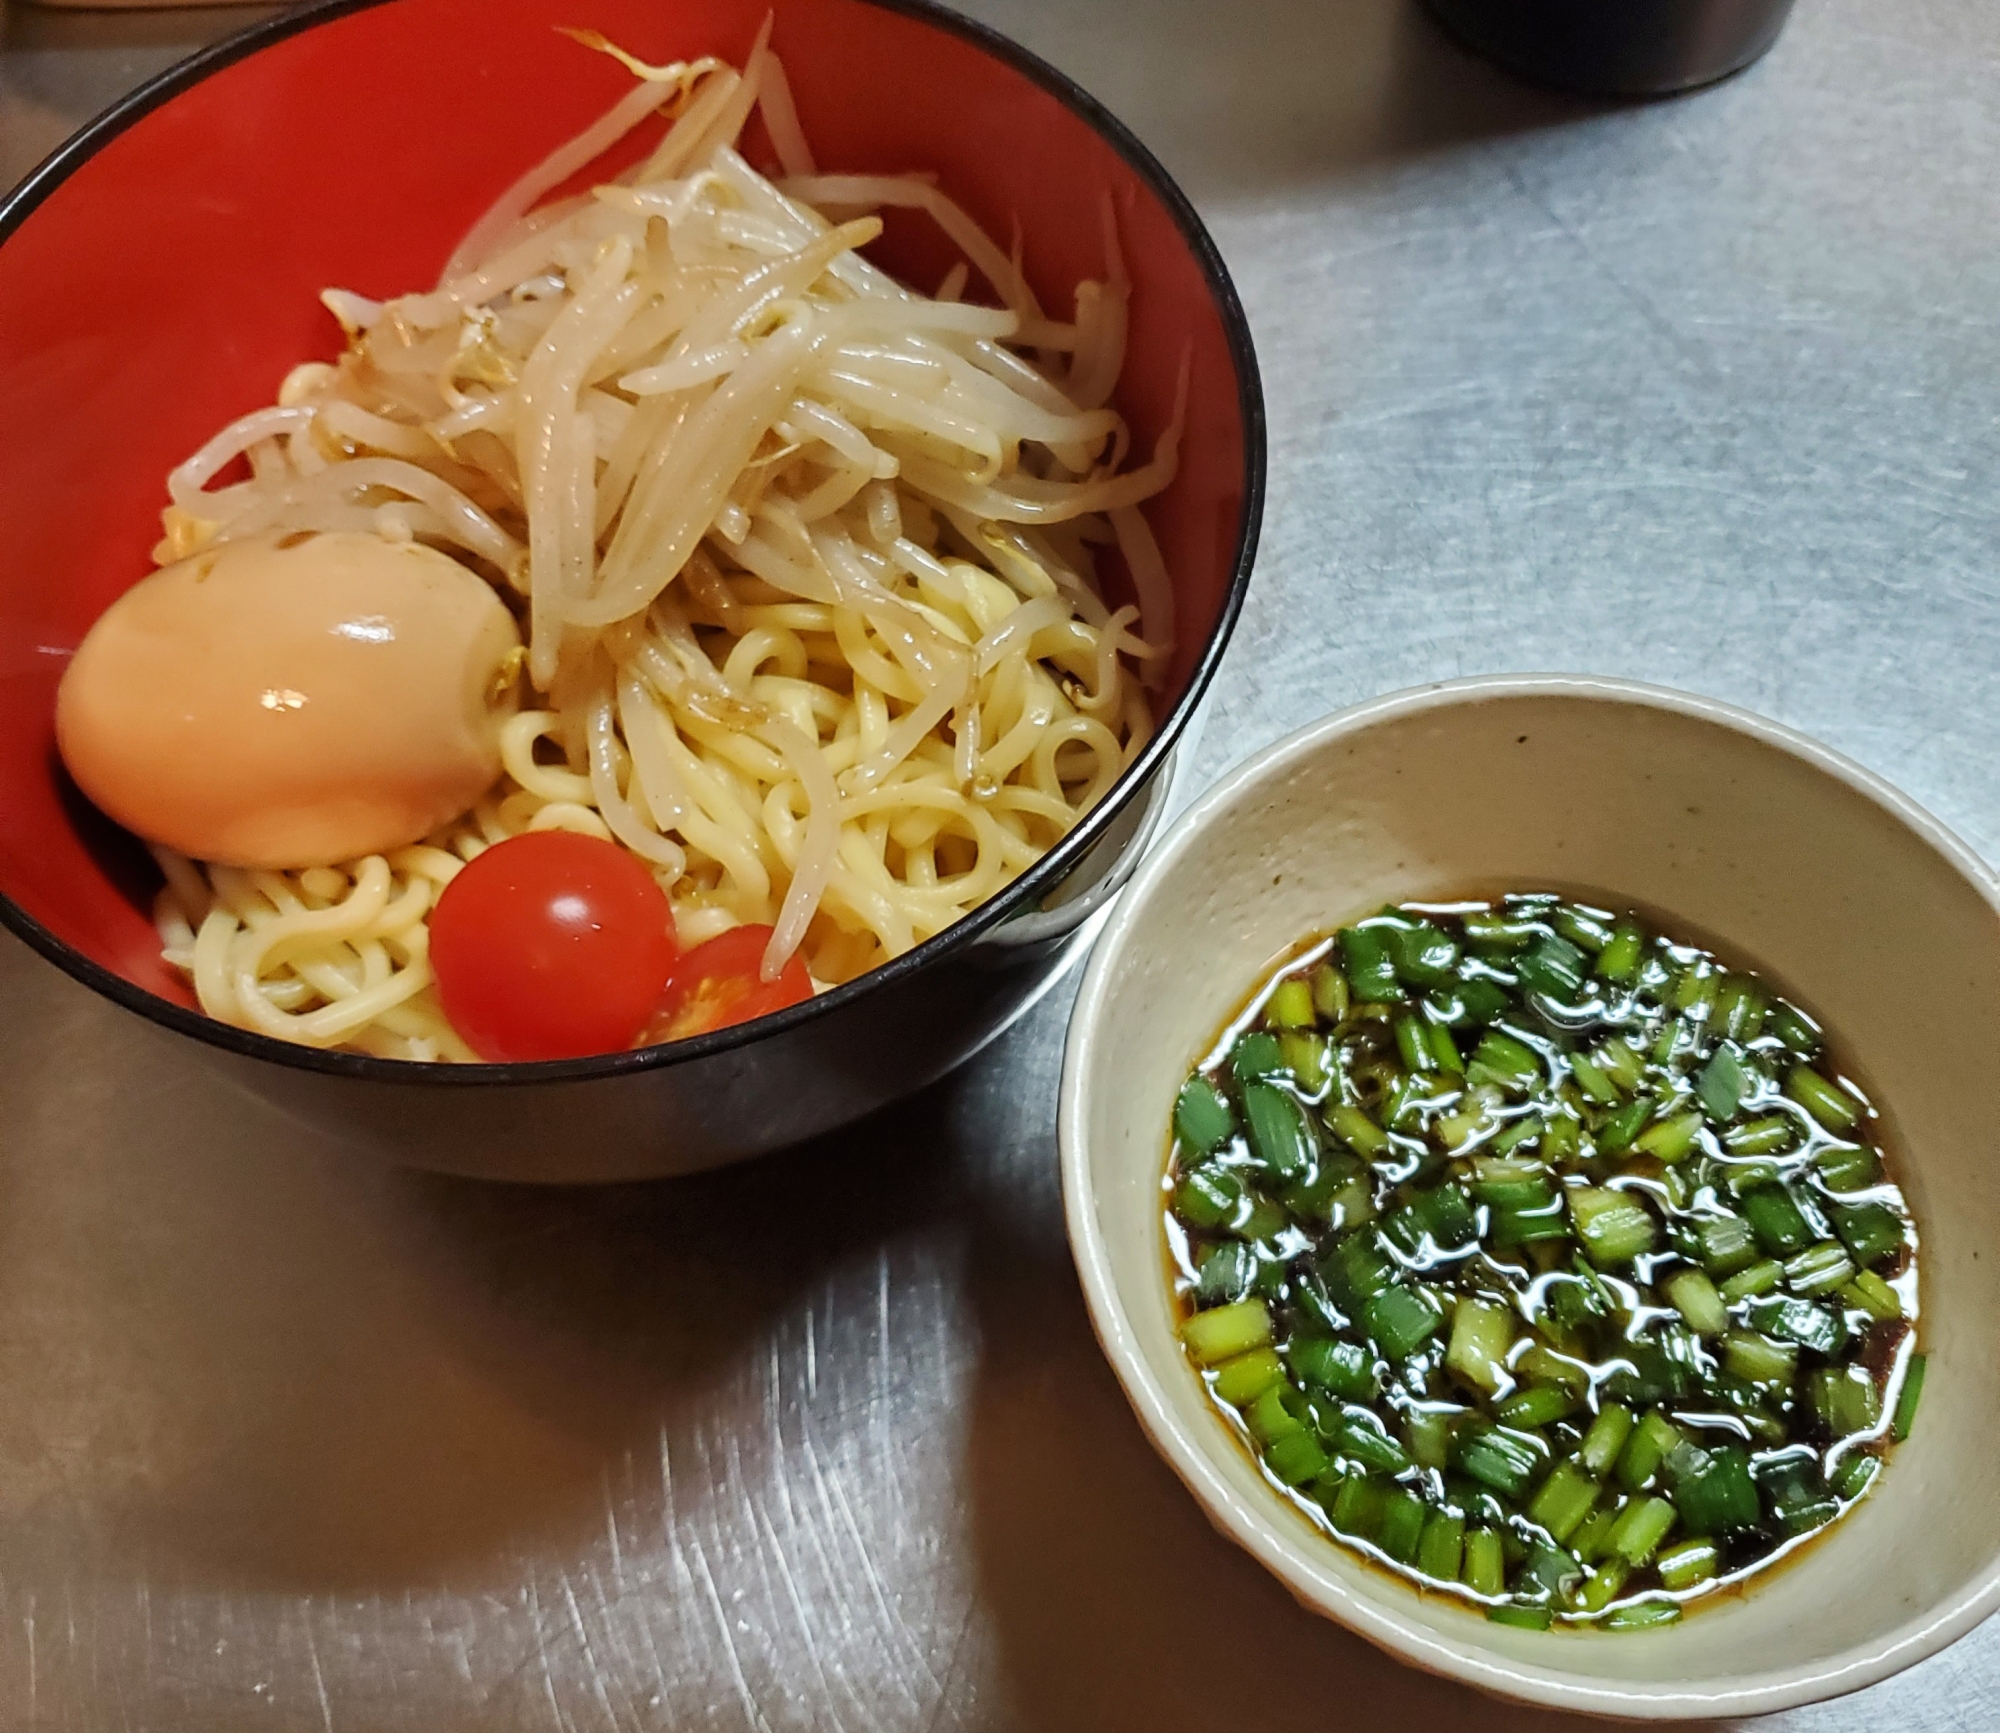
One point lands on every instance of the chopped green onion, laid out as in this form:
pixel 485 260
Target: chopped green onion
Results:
pixel 1848 1167
pixel 1307 1058
pixel 1524 1618
pixel 1722 1086
pixel 1400 1320
pixel 1501 1059
pixel 1361 1437
pixel 1765 1136
pixel 1714 1489
pixel 1760 1278
pixel 1693 1295
pixel 1277 1413
pixel 1241 1380
pixel 1619 1130
pixel 1485 1570
pixel 1481 1334
pixel 1402 1526
pixel 1329 993
pixel 1563 1500
pixel 1357 1507
pixel 1343 1368
pixel 1278 1134
pixel 1906 1402
pixel 1872 1231
pixel 1819 1269
pixel 1256 1054
pixel 1856 1474
pixel 1227 1331
pixel 1619 960
pixel 1423 955
pixel 1592 932
pixel 1538 1406
pixel 1646 1450
pixel 1494 1456
pixel 1874 1296
pixel 1443 1049
pixel 1225 1273
pixel 1615 1226
pixel 1688 1562
pixel 1671 1139
pixel 1775 1218
pixel 1798 1032
pixel 1605 1439
pixel 1370 973
pixel 1833 1107
pixel 1725 1244
pixel 1592 1080
pixel 1296 1458
pixel 1355 1129
pixel 1759 1360
pixel 1441 1551
pixel 1202 1119
pixel 1845 1399
pixel 1553 968
pixel 1357 1269
pixel 1290 1005
pixel 1208 1197
pixel 1792 1320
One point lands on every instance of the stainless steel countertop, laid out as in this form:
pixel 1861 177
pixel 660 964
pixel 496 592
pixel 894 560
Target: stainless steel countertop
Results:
pixel 1703 391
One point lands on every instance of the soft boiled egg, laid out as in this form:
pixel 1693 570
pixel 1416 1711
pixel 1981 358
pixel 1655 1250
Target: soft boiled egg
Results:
pixel 292 703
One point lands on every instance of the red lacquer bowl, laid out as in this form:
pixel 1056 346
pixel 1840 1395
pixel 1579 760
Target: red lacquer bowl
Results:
pixel 160 274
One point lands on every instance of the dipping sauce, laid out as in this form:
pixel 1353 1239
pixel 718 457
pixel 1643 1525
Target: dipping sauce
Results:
pixel 1545 1259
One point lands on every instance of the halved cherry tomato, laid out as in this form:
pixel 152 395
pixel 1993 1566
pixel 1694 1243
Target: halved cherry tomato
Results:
pixel 718 983
pixel 551 945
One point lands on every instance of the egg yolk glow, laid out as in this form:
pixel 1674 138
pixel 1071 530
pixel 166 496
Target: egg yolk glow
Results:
pixel 295 704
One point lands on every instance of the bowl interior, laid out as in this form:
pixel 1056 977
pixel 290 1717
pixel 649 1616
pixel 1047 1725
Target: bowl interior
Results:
pixel 172 279
pixel 1782 861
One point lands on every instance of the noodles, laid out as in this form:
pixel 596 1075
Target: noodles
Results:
pixel 803 559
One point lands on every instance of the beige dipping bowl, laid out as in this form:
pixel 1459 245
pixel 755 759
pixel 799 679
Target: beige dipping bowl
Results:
pixel 1785 855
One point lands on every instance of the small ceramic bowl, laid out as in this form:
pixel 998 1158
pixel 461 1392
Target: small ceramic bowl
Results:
pixel 1779 851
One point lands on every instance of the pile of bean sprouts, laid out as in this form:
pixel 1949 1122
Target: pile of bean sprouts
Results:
pixel 805 559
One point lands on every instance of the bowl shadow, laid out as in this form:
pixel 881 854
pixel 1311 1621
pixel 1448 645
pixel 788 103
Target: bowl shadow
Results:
pixel 1112 1602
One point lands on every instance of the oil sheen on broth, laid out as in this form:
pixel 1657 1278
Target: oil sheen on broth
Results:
pixel 1547 1260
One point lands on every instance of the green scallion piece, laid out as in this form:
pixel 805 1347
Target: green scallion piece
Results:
pixel 1714 1489
pixel 1907 1400
pixel 1411 1043
pixel 1819 1269
pixel 1535 1407
pixel 1307 1059
pixel 1202 1119
pixel 1329 993
pixel 1819 1328
pixel 1757 1359
pixel 1224 1273
pixel 1361 1437
pixel 1605 1439
pixel 1400 1320
pixel 1554 968
pixel 1296 1458
pixel 1646 1450
pixel 1619 1130
pixel 1693 1295
pixel 1641 1526
pixel 1722 1086
pixel 1832 1106
pixel 1563 1500
pixel 1402 1526
pixel 1844 1167
pixel 1760 1278
pixel 1845 1400
pixel 1522 1618
pixel 1208 1198
pixel 1277 1126
pixel 1423 955
pixel 1239 1381
pixel 1777 1221
pixel 1688 1562
pixel 1766 1136
pixel 1355 1129
pixel 1601 1587
pixel 1357 1507
pixel 1615 1226
pixel 1357 1269
pixel 1500 1058
pixel 1725 1244
pixel 1277 1413
pixel 1212 1337
pixel 1798 1032
pixel 1504 1460
pixel 1671 1139
pixel 1856 1474
pixel 1481 1334
pixel 1441 1551
pixel 1592 1080
pixel 1371 975
pixel 1290 1005
pixel 1343 1368
pixel 1874 1296
pixel 1871 1231
pixel 1619 960
pixel 1581 927
pixel 1485 1568
pixel 1444 1050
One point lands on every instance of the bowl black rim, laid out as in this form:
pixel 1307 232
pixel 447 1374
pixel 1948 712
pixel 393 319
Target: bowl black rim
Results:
pixel 1036 882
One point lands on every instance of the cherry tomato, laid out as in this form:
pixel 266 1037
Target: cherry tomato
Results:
pixel 718 983
pixel 551 945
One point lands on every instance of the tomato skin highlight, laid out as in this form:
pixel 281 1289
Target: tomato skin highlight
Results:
pixel 551 945
pixel 717 985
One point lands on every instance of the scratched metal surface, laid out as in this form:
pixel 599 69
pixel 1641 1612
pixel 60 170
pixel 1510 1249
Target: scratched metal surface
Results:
pixel 1703 392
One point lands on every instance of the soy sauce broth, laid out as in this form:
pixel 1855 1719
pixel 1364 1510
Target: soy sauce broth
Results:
pixel 1544 1257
